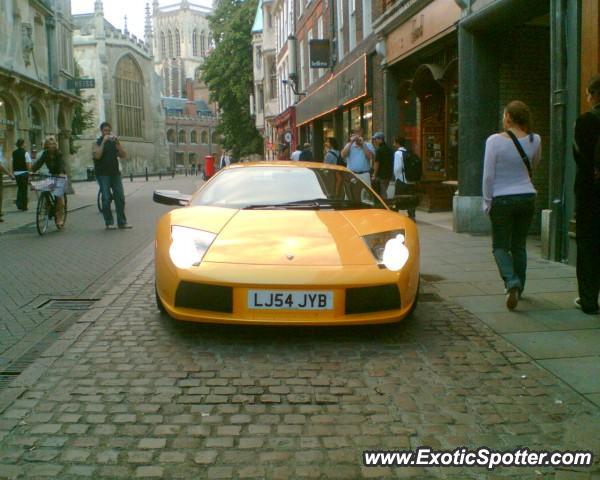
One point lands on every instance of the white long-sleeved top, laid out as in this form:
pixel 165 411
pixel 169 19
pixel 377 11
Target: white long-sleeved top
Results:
pixel 504 172
pixel 399 165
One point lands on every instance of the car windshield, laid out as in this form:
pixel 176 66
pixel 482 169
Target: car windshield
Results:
pixel 280 187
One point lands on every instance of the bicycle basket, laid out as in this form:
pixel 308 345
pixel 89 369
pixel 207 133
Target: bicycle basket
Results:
pixel 44 185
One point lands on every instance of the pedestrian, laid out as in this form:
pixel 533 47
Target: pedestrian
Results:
pixel 509 194
pixel 107 151
pixel 359 155
pixel 586 150
pixel 295 156
pixel 3 171
pixel 21 166
pixel 383 168
pixel 225 160
pixel 402 184
pixel 306 155
pixel 332 155
pixel 54 161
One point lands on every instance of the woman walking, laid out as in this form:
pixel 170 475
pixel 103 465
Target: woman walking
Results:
pixel 509 195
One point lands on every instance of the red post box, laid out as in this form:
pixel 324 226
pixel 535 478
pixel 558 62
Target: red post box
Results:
pixel 209 166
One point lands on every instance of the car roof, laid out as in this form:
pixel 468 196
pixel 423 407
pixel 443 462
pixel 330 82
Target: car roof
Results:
pixel 287 163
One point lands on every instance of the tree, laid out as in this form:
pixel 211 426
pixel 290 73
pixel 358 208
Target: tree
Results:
pixel 227 72
pixel 83 118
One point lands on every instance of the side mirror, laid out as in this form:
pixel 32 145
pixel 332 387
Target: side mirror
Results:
pixel 171 197
pixel 402 202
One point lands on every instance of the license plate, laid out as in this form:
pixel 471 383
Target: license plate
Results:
pixel 290 300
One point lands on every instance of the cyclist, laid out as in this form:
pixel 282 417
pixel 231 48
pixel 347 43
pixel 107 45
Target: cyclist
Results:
pixel 53 159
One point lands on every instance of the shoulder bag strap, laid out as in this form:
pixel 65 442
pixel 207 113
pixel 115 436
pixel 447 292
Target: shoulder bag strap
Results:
pixel 522 153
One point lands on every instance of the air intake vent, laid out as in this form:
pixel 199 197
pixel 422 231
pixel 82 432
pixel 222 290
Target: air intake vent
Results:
pixel 204 297
pixel 372 299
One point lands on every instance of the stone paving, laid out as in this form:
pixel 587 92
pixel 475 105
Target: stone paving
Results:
pixel 74 263
pixel 128 393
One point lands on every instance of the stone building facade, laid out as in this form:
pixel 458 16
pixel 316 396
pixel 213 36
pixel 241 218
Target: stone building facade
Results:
pixel 36 64
pixel 126 94
pixel 181 40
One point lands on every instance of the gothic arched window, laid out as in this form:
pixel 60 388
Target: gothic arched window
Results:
pixel 170 44
pixel 181 136
pixel 204 137
pixel 195 43
pixel 193 137
pixel 163 48
pixel 202 45
pixel 177 43
pixel 129 97
pixel 171 136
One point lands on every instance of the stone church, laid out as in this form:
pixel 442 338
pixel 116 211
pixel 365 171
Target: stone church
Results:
pixel 127 93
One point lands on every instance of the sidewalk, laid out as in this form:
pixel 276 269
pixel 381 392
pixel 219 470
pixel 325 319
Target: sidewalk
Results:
pixel 546 326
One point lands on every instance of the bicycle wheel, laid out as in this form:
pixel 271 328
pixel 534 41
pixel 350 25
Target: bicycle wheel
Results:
pixel 99 201
pixel 42 213
pixel 64 211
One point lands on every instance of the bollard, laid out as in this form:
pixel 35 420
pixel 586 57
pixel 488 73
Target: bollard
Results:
pixel 173 173
pixel 146 173
pixel 131 177
pixel 160 175
pixel 186 172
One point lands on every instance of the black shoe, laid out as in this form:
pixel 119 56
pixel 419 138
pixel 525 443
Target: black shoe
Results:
pixel 577 303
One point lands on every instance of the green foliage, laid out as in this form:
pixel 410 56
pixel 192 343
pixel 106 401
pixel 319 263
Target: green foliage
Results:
pixel 83 118
pixel 228 74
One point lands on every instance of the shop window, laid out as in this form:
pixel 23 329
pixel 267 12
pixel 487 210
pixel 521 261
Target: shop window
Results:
pixel 36 129
pixel 432 133
pixel 345 125
pixel 355 118
pixel 368 119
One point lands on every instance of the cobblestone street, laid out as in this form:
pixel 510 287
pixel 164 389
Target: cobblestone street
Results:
pixel 128 393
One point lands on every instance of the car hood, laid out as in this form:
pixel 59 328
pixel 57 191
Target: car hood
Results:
pixel 289 237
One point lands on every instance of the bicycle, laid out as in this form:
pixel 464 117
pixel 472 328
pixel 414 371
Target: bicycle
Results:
pixel 46 205
pixel 99 200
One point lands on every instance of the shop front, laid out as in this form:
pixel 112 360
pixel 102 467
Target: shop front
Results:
pixel 284 126
pixel 422 82
pixel 337 107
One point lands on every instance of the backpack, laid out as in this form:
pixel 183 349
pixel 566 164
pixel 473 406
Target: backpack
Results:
pixel 338 158
pixel 413 166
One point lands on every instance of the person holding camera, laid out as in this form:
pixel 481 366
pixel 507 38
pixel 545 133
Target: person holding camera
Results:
pixel 107 151
pixel 359 156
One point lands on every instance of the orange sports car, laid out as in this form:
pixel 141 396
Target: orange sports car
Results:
pixel 288 243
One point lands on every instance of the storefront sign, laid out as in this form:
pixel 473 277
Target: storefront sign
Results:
pixel 320 53
pixel 347 86
pixel 434 21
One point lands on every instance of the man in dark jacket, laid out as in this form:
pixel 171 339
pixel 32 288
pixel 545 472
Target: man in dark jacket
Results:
pixel 306 155
pixel 586 150
pixel 383 168
pixel 107 151
pixel 21 166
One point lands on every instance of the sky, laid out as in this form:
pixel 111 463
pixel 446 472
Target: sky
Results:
pixel 115 10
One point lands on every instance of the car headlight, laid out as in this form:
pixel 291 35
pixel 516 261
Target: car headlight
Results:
pixel 188 245
pixel 388 248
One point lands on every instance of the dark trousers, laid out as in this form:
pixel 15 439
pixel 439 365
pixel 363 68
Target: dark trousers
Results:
pixel 587 215
pixel 22 190
pixel 511 217
pixel 114 184
pixel 402 188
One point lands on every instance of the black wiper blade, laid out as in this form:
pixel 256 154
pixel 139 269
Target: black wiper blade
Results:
pixel 264 207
